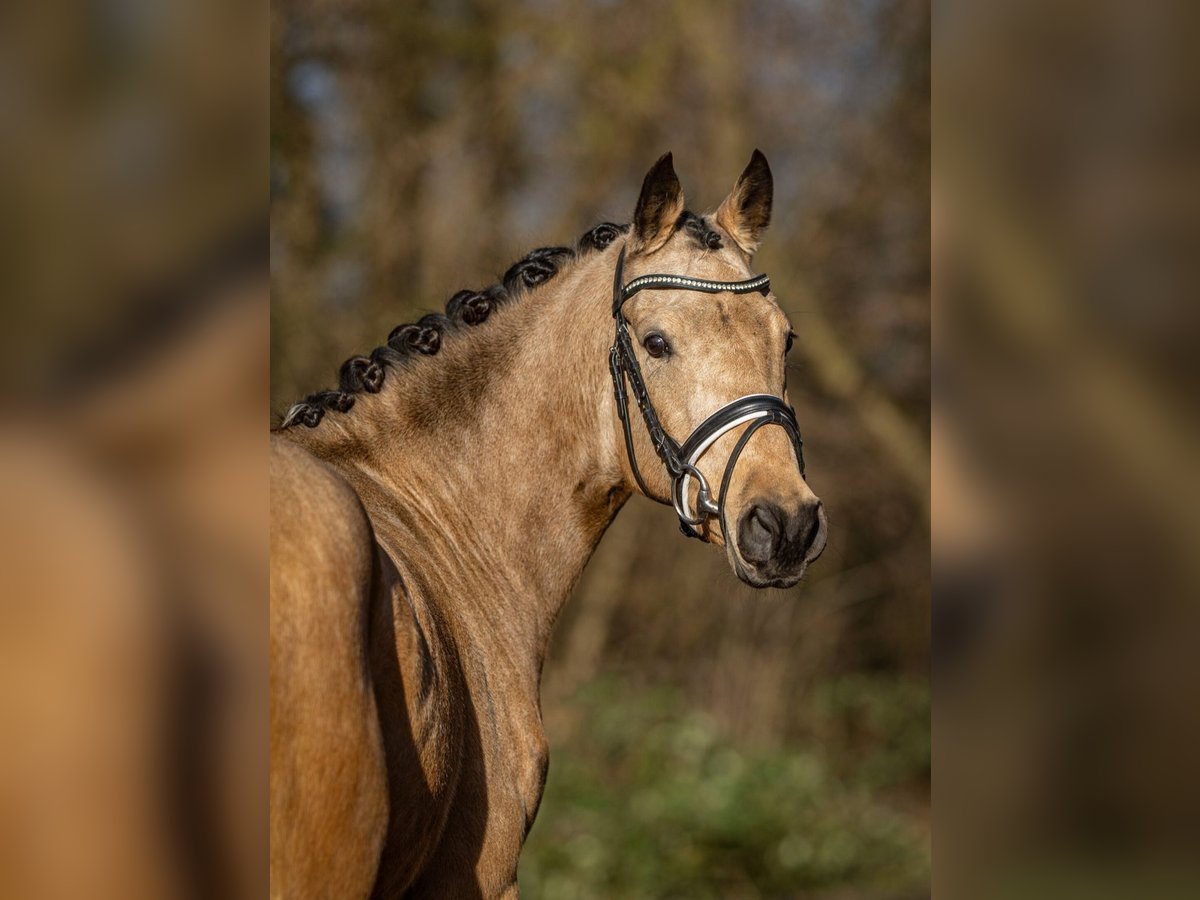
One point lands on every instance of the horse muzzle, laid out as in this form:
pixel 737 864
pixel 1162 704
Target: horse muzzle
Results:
pixel 774 546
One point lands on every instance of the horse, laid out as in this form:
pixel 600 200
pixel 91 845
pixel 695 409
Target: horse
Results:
pixel 431 515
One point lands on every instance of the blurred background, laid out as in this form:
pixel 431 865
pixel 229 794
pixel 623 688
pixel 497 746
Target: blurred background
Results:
pixel 707 740
pixel 1066 449
pixel 133 546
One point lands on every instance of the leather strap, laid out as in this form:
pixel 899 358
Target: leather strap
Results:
pixel 758 409
pixel 680 461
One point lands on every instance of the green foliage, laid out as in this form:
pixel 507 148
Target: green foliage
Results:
pixel 648 799
pixel 875 730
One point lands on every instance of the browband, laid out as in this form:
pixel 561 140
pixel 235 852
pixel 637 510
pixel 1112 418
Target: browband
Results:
pixel 760 283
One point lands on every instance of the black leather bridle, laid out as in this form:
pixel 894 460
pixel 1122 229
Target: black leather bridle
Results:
pixel 680 460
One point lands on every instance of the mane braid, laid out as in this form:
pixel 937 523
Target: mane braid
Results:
pixel 703 233
pixel 465 309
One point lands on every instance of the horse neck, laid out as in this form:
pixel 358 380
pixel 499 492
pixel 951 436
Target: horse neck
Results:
pixel 493 469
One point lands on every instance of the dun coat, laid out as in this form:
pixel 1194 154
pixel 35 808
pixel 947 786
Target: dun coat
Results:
pixel 430 517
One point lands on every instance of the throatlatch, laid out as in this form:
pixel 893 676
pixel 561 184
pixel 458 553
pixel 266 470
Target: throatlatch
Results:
pixel 680 460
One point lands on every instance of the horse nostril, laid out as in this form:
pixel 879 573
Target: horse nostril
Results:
pixel 812 531
pixel 759 533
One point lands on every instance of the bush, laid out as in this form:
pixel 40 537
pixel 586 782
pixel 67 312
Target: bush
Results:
pixel 649 800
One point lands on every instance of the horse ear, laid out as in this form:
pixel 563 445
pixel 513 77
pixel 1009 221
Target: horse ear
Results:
pixel 658 207
pixel 746 212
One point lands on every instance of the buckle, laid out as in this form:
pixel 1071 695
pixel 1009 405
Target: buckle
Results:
pixel 705 505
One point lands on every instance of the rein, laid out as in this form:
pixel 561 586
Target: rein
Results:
pixel 680 459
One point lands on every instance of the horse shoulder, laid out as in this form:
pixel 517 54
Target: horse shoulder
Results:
pixel 328 782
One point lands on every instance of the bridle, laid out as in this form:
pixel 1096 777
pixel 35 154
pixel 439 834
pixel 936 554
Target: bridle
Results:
pixel 680 460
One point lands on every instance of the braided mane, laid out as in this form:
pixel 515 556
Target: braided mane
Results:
pixel 465 309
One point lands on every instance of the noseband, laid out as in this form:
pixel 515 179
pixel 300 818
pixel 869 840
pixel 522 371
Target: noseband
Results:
pixel 680 460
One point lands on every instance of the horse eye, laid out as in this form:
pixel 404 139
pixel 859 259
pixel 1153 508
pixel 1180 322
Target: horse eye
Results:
pixel 790 338
pixel 655 344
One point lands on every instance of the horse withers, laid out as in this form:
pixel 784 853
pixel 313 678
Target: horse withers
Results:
pixel 430 516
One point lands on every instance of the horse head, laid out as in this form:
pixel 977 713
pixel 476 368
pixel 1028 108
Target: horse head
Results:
pixel 700 348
